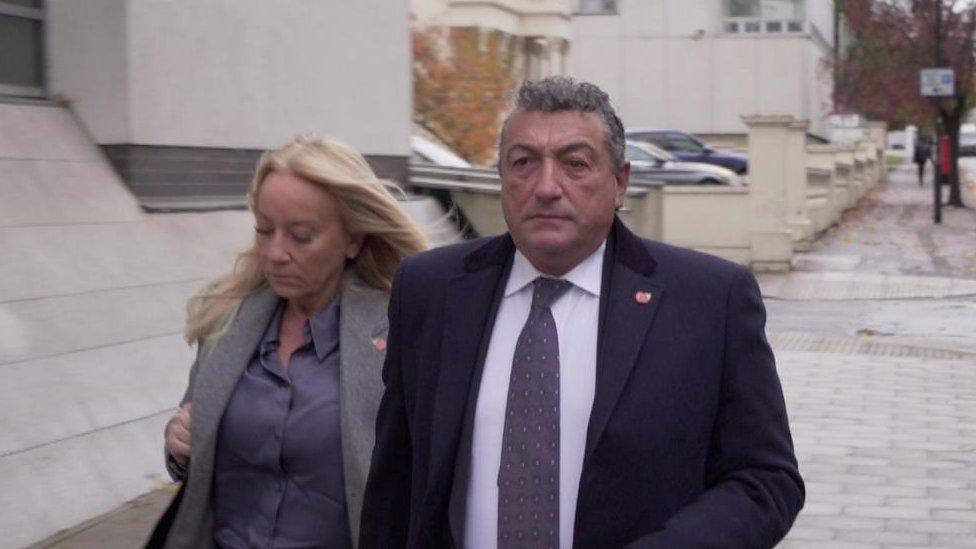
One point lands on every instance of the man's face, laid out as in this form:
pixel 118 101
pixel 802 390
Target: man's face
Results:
pixel 559 189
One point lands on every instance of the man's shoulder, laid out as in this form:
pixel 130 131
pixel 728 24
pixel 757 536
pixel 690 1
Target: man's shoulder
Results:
pixel 685 264
pixel 443 261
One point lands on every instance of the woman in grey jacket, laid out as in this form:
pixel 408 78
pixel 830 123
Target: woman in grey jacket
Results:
pixel 274 434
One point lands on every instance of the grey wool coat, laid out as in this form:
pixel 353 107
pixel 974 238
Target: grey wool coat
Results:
pixel 213 377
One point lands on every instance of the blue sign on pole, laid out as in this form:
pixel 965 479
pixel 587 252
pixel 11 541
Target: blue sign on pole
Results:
pixel 937 82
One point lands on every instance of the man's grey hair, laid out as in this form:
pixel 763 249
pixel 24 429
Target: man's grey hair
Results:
pixel 562 93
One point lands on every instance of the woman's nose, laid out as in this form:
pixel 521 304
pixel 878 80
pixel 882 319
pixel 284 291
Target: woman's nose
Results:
pixel 274 250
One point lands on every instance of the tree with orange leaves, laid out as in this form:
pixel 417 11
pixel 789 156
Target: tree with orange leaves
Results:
pixel 462 78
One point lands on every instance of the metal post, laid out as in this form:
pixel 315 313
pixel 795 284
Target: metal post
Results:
pixel 937 157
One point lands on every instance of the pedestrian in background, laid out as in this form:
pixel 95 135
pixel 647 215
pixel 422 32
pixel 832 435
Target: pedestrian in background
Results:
pixel 274 434
pixel 923 151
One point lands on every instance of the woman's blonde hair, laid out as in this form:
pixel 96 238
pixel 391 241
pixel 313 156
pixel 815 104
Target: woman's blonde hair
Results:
pixel 366 207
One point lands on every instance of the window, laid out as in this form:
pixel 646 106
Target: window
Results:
pixel 21 48
pixel 597 7
pixel 683 143
pixel 637 154
pixel 767 16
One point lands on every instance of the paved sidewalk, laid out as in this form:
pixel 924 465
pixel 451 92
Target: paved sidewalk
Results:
pixel 887 447
pixel 875 333
pixel 891 232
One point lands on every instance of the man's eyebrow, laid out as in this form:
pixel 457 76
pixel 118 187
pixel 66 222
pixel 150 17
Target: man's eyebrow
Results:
pixel 567 148
pixel 575 146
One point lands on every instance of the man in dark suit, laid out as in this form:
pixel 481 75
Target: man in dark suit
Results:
pixel 569 384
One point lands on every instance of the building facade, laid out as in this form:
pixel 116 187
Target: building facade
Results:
pixel 183 96
pixel 543 29
pixel 700 65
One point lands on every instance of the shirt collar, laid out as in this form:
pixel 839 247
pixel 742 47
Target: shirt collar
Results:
pixel 321 329
pixel 324 328
pixel 587 275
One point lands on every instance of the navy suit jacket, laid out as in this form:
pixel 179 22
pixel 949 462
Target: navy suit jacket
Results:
pixel 687 445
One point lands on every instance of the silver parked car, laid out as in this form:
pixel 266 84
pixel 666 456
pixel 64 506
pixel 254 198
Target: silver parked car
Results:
pixel 652 162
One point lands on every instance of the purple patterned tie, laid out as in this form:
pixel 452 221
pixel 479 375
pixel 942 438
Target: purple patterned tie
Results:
pixel 528 476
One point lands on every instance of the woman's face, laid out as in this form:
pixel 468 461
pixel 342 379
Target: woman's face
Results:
pixel 301 241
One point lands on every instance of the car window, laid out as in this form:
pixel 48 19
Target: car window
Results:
pixel 683 143
pixel 660 153
pixel 653 138
pixel 636 153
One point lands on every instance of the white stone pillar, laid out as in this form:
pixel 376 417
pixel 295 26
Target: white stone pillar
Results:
pixel 911 138
pixel 771 236
pixel 879 136
pixel 844 160
pixel 823 157
pixel 795 179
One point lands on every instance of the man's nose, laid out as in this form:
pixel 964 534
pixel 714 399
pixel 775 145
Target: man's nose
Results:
pixel 549 182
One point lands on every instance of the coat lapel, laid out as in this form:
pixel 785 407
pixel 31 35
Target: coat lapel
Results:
pixel 223 367
pixel 469 301
pixel 629 303
pixel 363 328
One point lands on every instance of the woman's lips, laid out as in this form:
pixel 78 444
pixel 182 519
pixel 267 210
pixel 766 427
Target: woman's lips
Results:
pixel 283 278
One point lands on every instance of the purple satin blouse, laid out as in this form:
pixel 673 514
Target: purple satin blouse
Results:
pixel 278 477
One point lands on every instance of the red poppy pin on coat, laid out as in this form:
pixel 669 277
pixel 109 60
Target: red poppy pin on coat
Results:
pixel 643 297
pixel 379 343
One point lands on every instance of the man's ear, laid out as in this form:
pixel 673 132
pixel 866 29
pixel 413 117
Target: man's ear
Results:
pixel 622 179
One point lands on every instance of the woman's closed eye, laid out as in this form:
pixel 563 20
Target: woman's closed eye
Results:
pixel 301 238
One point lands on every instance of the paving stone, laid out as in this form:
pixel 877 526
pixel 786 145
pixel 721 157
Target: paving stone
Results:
pixel 843 522
pixel 887 511
pixel 887 538
pixel 932 503
pixel 821 509
pixel 804 533
pixel 951 540
pixel 834 544
pixel 955 514
pixel 934 526
pixel 888 490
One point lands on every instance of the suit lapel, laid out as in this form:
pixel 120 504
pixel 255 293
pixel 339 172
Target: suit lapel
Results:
pixel 223 367
pixel 630 302
pixel 470 300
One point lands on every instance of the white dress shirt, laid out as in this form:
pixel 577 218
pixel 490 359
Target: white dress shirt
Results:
pixel 577 315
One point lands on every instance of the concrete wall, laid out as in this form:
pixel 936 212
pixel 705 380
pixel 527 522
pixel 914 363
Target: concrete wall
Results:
pixel 88 63
pixel 92 295
pixel 666 64
pixel 235 73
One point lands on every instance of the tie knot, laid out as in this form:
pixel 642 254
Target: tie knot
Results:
pixel 548 290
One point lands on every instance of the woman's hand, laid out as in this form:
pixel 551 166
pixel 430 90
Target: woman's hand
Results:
pixel 178 435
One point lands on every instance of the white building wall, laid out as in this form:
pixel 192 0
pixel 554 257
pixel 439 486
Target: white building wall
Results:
pixel 239 73
pixel 666 64
pixel 87 67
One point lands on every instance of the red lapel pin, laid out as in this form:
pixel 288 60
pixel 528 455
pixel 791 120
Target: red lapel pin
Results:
pixel 379 343
pixel 643 297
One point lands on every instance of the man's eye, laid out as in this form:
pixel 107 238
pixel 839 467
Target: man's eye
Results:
pixel 519 162
pixel 577 164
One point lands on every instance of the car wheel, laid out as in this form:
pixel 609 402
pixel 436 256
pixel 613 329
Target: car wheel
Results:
pixel 710 181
